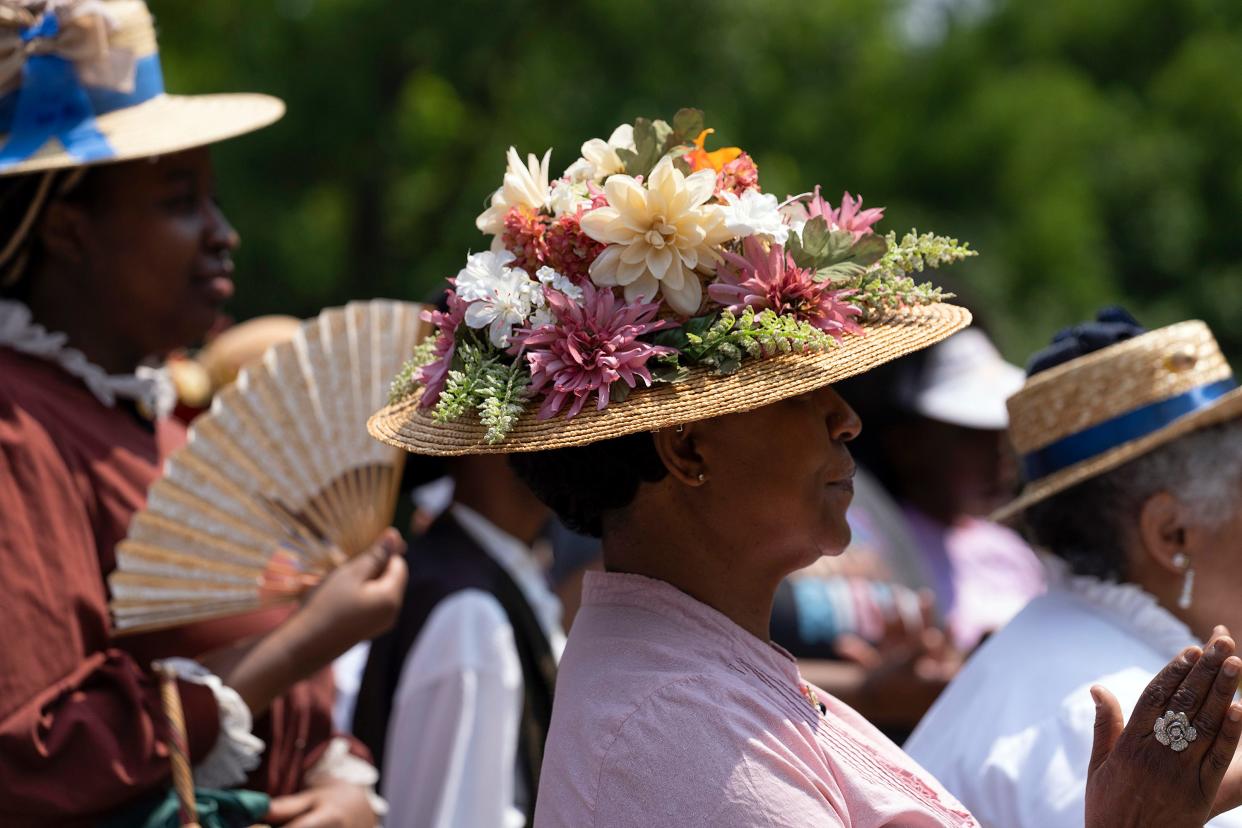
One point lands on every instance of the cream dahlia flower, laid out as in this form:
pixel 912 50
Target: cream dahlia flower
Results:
pixel 658 235
pixel 525 185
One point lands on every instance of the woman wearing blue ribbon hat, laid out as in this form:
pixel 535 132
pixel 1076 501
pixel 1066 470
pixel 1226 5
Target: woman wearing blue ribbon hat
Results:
pixel 113 252
pixel 1131 447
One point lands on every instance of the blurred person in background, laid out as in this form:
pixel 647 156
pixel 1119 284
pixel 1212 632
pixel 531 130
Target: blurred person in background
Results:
pixel 198 377
pixel 1132 450
pixel 456 700
pixel 936 440
pixel 114 252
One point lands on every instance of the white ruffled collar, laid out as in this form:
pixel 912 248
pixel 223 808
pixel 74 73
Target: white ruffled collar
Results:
pixel 1127 605
pixel 150 388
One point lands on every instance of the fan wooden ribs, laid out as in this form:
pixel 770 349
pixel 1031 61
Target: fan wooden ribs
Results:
pixel 278 483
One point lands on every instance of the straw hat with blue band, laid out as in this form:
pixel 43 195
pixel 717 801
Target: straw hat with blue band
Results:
pixel 1092 414
pixel 80 83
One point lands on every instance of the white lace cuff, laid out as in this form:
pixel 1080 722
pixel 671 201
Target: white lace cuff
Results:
pixel 237 751
pixel 339 765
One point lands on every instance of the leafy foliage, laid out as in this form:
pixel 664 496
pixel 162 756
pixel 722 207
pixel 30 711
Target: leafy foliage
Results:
pixel 721 341
pixel 888 285
pixel 503 395
pixel 404 383
pixel 834 253
pixel 655 139
pixel 486 381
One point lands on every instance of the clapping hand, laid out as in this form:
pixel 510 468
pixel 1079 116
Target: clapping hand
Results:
pixel 1171 776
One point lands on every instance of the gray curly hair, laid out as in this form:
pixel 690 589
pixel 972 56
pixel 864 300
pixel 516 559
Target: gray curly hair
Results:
pixel 1090 526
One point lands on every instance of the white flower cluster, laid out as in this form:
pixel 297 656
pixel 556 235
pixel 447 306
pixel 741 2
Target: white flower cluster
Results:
pixel 500 297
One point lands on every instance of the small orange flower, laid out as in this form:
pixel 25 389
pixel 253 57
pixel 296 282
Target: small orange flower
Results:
pixel 700 159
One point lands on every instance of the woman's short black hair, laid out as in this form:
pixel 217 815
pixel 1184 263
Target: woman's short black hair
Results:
pixel 584 483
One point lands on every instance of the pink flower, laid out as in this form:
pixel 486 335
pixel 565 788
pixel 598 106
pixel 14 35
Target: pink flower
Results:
pixel 849 217
pixel 569 250
pixel 434 374
pixel 523 236
pixel 588 347
pixel 738 176
pixel 768 278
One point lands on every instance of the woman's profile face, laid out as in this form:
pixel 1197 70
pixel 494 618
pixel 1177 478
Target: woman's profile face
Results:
pixel 156 249
pixel 781 476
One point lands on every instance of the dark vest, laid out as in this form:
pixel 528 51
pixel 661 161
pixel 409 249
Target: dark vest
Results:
pixel 445 561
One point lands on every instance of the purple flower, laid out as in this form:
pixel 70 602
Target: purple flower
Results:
pixel 588 347
pixel 767 278
pixel 434 374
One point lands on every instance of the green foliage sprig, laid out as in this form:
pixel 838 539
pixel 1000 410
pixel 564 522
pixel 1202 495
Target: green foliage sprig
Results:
pixel 404 384
pixel 721 341
pixel 483 380
pixel 888 285
pixel 504 391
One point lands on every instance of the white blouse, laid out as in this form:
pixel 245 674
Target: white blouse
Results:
pixel 1011 736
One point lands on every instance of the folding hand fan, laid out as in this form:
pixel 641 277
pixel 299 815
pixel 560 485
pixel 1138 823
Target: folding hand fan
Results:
pixel 278 483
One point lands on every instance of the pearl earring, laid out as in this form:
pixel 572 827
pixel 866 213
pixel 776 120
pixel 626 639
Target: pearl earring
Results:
pixel 1188 580
pixel 702 477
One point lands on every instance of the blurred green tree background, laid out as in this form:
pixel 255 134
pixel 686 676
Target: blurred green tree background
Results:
pixel 1091 151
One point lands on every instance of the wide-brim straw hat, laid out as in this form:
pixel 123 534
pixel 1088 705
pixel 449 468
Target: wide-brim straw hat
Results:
pixel 81 84
pixel 1093 414
pixel 701 396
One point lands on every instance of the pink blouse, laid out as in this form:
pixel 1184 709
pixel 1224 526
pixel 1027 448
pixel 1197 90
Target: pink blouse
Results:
pixel 669 714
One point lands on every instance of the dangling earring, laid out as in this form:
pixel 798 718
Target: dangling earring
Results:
pixel 1188 580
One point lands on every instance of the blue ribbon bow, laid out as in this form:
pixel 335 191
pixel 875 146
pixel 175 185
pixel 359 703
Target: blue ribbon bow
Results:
pixel 52 102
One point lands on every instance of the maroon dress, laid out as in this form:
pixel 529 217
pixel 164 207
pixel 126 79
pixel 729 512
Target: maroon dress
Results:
pixel 80 718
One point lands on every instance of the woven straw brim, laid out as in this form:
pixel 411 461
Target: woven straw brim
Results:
pixel 703 395
pixel 1222 410
pixel 164 125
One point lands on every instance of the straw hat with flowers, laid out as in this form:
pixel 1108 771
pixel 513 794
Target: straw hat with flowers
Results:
pixel 80 83
pixel 655 283
pixel 1090 414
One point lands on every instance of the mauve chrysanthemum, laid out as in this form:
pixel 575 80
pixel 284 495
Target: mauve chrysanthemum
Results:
pixel 849 216
pixel 588 347
pixel 434 374
pixel 764 277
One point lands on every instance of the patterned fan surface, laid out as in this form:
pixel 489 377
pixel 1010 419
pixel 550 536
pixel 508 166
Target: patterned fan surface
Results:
pixel 278 483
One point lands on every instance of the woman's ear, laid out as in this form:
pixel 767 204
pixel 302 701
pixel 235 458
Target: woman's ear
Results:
pixel 61 232
pixel 1164 535
pixel 680 455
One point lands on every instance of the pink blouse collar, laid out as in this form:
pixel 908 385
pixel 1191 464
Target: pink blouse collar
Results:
pixel 706 624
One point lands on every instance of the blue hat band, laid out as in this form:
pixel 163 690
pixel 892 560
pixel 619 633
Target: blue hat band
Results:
pixel 1124 428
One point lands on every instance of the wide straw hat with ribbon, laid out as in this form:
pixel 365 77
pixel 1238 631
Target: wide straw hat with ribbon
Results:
pixel 1094 413
pixel 653 284
pixel 80 83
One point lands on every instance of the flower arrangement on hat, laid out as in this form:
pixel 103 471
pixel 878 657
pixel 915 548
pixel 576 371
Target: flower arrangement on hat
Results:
pixel 651 257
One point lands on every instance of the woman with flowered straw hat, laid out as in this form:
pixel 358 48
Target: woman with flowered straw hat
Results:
pixel 653 341
pixel 113 250
pixel 1131 445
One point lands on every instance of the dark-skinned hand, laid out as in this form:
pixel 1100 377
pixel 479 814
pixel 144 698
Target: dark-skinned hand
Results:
pixel 1133 780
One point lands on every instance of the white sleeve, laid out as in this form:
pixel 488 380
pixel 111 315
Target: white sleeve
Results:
pixel 452 735
pixel 237 750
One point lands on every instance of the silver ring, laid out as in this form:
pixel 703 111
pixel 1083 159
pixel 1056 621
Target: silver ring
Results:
pixel 1173 730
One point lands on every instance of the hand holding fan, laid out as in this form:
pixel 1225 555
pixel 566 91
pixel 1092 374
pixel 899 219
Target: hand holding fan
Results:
pixel 279 482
